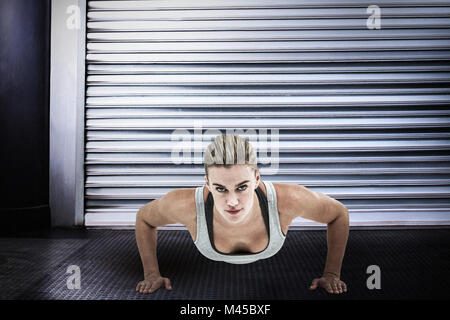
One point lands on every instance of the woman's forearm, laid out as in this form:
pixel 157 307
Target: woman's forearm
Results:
pixel 337 235
pixel 146 238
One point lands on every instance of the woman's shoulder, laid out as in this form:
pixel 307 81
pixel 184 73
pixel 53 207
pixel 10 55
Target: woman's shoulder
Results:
pixel 283 192
pixel 182 203
pixel 185 198
pixel 287 189
pixel 288 195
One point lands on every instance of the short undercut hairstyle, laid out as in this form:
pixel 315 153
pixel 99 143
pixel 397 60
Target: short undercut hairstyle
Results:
pixel 229 149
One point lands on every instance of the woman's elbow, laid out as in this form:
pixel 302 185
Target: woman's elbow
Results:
pixel 345 217
pixel 342 216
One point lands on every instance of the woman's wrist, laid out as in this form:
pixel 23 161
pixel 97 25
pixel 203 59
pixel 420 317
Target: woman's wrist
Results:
pixel 149 275
pixel 331 273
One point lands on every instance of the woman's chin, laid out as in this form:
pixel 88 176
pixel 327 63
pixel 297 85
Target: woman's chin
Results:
pixel 235 217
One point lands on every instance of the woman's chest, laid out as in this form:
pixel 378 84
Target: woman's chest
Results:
pixel 252 240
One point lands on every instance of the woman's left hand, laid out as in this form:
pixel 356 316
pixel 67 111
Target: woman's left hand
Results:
pixel 331 284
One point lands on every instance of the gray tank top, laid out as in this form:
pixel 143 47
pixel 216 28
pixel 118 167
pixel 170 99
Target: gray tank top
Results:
pixel 276 236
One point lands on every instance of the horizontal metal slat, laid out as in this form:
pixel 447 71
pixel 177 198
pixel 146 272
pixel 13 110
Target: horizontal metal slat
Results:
pixel 149 135
pixel 164 158
pixel 264 35
pixel 272 145
pixel 269 101
pixel 268 57
pixel 303 68
pixel 293 90
pixel 119 113
pixel 278 123
pixel 384 192
pixel 393 204
pixel 364 170
pixel 290 13
pixel 273 46
pixel 267 79
pixel 286 24
pixel 237 4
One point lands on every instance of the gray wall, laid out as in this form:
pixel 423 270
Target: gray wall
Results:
pixel 24 114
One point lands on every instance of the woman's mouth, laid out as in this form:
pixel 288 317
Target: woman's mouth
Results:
pixel 233 211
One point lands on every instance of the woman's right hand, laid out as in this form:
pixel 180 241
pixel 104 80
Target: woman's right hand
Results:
pixel 152 283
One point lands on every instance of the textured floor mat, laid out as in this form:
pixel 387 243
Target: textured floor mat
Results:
pixel 414 264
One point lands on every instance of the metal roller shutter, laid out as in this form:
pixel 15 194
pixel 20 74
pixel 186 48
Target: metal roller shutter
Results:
pixel 362 114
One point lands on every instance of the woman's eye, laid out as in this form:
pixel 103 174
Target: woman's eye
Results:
pixel 240 188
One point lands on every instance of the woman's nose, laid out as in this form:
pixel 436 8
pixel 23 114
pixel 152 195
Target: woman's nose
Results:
pixel 232 201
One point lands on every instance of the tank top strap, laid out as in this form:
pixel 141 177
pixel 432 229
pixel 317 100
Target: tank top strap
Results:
pixel 200 212
pixel 274 219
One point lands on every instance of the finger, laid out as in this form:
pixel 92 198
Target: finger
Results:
pixel 335 288
pixel 167 284
pixel 153 288
pixel 329 288
pixel 141 287
pixel 147 288
pixel 314 284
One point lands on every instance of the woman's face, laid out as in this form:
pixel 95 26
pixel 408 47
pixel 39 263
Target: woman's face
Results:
pixel 233 190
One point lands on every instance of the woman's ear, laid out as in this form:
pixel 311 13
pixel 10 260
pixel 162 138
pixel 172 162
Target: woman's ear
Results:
pixel 258 178
pixel 207 183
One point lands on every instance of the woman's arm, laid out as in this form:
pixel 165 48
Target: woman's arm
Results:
pixel 146 237
pixel 316 206
pixel 337 235
pixel 148 218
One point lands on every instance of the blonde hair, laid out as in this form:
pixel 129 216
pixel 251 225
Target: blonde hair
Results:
pixel 229 149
